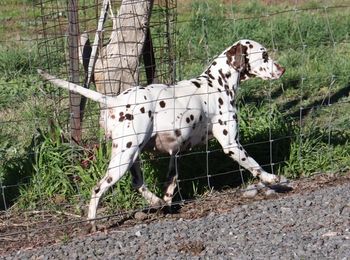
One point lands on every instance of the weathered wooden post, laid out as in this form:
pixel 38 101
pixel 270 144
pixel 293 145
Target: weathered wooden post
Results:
pixel 116 68
pixel 73 45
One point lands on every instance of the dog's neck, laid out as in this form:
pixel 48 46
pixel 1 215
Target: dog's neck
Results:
pixel 221 75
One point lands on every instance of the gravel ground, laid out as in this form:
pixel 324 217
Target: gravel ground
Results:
pixel 310 225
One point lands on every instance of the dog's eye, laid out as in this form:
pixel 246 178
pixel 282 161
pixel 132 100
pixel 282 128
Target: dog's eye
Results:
pixel 265 56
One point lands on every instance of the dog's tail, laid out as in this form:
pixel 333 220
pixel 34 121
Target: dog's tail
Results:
pixel 91 94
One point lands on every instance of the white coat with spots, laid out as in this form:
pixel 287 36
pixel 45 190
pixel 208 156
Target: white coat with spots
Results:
pixel 175 118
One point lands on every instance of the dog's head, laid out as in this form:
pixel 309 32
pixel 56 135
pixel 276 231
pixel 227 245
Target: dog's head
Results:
pixel 251 59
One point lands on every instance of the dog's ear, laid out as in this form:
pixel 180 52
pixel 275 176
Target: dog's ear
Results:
pixel 237 57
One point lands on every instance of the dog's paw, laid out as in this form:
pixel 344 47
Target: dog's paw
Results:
pixel 251 191
pixel 157 203
pixel 283 185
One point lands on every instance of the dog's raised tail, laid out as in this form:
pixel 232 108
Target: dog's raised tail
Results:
pixel 91 94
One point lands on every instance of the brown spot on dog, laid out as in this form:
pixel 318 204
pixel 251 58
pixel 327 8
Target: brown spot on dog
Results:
pixel 221 102
pixel 251 46
pixel 145 97
pixel 222 75
pixel 220 122
pixel 149 113
pixel 128 106
pixel 188 120
pixel 225 132
pixel 231 153
pixel 243 159
pixel 121 118
pixel 214 63
pixel 196 84
pixel 109 179
pixel 200 118
pixel 211 76
pixel 192 117
pixel 113 116
pixel 142 109
pixel 115 145
pixel 177 132
pixel 258 173
pixel 220 81
pixel 228 74
pixel 97 189
pixel 169 195
pixel 265 56
pixel 129 144
pixel 162 104
pixel 129 117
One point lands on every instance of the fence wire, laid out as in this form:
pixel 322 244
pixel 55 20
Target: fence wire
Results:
pixel 295 126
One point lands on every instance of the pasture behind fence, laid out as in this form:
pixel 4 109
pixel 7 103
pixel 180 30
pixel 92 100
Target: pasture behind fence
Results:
pixel 295 126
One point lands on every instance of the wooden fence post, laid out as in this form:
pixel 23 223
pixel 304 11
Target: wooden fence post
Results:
pixel 116 68
pixel 73 44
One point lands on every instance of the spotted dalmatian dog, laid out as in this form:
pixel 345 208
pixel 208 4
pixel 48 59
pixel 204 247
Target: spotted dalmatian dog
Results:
pixel 174 118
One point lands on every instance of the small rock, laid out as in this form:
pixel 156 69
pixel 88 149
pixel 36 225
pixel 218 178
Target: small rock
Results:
pixel 308 203
pixel 140 216
pixel 330 234
pixel 286 210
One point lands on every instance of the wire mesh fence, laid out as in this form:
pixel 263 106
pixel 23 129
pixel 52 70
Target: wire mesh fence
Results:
pixel 295 126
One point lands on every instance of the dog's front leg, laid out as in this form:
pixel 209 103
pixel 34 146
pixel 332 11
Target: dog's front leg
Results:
pixel 226 135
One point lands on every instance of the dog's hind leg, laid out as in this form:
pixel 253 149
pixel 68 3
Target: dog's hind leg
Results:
pixel 139 185
pixel 121 161
pixel 171 182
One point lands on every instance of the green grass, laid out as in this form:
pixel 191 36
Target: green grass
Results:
pixel 313 45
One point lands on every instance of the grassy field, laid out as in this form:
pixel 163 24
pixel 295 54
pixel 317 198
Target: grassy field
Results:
pixel 296 126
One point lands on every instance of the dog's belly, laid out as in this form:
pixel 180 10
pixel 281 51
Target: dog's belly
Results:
pixel 180 139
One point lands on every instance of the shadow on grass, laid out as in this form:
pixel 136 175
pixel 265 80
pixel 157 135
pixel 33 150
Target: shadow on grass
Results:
pixel 201 170
pixel 16 172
